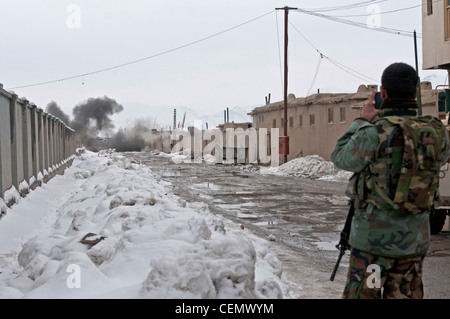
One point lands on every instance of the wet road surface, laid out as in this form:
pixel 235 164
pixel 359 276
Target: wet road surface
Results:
pixel 302 217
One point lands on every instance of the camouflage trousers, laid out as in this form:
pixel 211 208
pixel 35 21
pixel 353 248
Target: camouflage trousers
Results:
pixel 375 277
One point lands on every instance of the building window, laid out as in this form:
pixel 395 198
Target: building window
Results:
pixel 312 119
pixel 291 121
pixel 342 115
pixel 430 7
pixel 274 123
pixel 447 20
pixel 330 115
pixel 301 120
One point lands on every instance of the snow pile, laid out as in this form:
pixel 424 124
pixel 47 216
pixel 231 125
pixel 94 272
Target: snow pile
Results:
pixel 118 232
pixel 3 207
pixel 178 157
pixel 11 195
pixel 209 159
pixel 186 156
pixel 311 166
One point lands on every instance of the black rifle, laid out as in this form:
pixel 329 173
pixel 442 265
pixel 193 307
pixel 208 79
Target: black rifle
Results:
pixel 343 244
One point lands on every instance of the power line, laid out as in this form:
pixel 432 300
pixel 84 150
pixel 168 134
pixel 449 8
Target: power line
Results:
pixel 315 75
pixel 360 25
pixel 346 7
pixel 350 70
pixel 334 62
pixel 142 59
pixel 279 52
pixel 384 12
pixel 369 14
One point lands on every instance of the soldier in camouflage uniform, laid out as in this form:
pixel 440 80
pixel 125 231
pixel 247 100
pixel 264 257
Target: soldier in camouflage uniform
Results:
pixel 382 237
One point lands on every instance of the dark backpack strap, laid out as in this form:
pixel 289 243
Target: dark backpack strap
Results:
pixel 389 155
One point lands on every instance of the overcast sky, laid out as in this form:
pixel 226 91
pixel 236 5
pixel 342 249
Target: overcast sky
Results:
pixel 47 40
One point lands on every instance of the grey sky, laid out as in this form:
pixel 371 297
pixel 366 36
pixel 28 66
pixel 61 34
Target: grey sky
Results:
pixel 238 68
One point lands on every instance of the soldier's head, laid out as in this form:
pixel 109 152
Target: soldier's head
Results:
pixel 399 80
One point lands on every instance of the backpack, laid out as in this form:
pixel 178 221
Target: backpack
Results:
pixel 416 184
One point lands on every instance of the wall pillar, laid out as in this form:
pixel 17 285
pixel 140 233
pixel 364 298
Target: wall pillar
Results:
pixel 16 142
pixel 45 145
pixel 35 150
pixel 5 141
pixel 26 143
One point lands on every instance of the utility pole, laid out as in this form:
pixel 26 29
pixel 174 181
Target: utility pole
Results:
pixel 284 140
pixel 419 95
pixel 174 119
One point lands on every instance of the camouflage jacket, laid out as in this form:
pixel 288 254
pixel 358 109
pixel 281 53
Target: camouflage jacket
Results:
pixel 378 229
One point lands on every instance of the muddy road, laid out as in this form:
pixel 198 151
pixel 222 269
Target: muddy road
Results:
pixel 301 217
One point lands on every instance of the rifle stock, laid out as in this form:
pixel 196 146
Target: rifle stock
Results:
pixel 343 244
pixel 336 266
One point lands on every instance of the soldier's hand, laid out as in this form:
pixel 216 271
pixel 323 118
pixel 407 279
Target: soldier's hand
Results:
pixel 369 112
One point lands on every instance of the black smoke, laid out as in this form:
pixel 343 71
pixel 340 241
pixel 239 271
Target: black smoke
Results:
pixel 55 110
pixel 95 129
pixel 141 136
pixel 92 117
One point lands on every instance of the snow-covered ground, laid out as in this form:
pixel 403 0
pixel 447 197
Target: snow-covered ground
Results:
pixel 111 228
pixel 311 166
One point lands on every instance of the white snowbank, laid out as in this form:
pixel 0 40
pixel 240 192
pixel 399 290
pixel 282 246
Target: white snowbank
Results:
pixel 108 229
pixel 185 156
pixel 11 195
pixel 311 166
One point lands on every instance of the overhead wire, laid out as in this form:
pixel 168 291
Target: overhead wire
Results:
pixel 360 24
pixel 350 70
pixel 316 73
pixel 341 66
pixel 346 7
pixel 314 12
pixel 384 12
pixel 279 52
pixel 142 59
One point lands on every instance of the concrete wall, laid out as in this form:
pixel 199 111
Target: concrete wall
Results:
pixel 435 45
pixel 34 146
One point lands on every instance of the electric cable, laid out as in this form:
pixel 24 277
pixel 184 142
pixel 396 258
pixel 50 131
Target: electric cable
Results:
pixel 360 24
pixel 315 75
pixel 341 66
pixel 142 59
pixel 279 53
pixel 350 71
pixel 384 12
pixel 346 7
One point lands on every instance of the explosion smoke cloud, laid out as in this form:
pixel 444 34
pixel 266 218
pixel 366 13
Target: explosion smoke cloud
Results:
pixel 93 117
pixel 55 110
pixel 92 121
